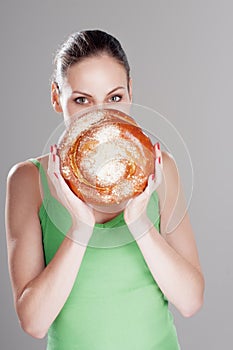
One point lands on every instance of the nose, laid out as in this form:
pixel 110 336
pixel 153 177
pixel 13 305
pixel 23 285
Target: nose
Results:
pixel 99 104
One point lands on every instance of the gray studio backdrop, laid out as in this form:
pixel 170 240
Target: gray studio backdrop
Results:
pixel 181 55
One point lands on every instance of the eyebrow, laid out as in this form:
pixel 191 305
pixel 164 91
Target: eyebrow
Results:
pixel 84 93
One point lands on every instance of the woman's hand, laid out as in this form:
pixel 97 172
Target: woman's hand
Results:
pixel 135 212
pixel 83 219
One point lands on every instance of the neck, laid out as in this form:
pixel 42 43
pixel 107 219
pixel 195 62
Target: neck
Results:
pixel 104 214
pixel 101 217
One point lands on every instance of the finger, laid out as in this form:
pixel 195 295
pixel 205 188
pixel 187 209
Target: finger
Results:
pixel 53 170
pixel 56 159
pixel 152 184
pixel 161 161
pixel 65 190
pixel 158 152
pixel 142 196
pixel 64 193
pixel 158 172
pixel 53 161
pixel 62 188
pixel 154 180
pixel 50 161
pixel 54 164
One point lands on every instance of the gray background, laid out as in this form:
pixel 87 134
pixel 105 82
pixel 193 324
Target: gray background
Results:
pixel 181 56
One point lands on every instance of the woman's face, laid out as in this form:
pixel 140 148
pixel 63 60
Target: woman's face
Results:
pixel 91 82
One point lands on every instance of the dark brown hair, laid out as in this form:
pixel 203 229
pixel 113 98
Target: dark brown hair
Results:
pixel 87 43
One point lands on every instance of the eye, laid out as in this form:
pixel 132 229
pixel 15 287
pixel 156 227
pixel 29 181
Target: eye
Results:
pixel 119 97
pixel 81 100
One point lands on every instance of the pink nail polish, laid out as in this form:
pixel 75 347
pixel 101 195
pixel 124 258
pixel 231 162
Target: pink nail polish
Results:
pixel 56 175
pixel 54 157
pixel 158 145
pixel 51 149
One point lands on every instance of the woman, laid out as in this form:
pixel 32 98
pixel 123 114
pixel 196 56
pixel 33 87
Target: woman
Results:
pixel 87 298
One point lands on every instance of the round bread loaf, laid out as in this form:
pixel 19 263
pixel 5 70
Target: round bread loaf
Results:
pixel 105 157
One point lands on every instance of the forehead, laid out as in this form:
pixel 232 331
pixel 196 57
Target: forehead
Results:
pixel 95 72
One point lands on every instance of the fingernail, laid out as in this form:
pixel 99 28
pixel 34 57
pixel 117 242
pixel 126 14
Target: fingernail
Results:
pixel 158 145
pixel 54 157
pixel 153 176
pixel 159 160
pixel 51 149
pixel 56 175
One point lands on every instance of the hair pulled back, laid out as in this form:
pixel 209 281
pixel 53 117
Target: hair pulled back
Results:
pixel 83 44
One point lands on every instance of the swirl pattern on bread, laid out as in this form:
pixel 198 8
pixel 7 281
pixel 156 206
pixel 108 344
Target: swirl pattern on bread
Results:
pixel 105 157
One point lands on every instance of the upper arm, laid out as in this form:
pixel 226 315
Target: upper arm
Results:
pixel 23 231
pixel 175 223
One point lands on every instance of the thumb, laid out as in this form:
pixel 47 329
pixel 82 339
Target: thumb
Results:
pixel 150 184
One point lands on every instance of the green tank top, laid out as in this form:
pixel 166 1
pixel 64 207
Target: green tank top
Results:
pixel 115 303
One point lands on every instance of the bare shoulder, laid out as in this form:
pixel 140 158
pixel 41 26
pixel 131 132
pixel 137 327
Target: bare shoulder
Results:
pixel 23 181
pixel 26 171
pixel 22 171
pixel 168 162
pixel 26 166
pixel 22 177
pixel 170 176
pixel 171 195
